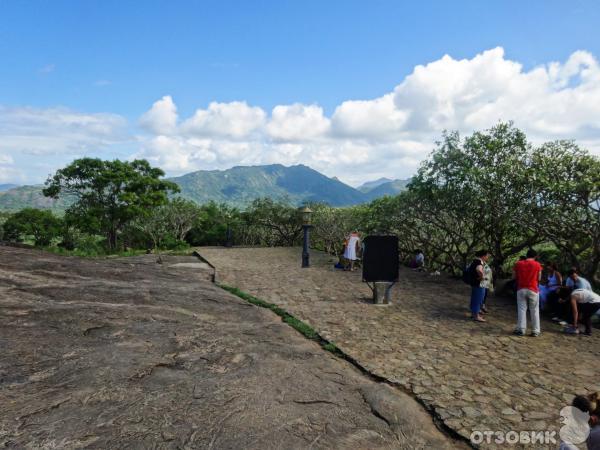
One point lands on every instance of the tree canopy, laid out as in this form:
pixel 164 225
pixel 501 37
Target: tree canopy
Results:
pixel 109 193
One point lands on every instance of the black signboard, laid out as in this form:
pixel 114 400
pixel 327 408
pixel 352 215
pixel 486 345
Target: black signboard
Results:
pixel 381 259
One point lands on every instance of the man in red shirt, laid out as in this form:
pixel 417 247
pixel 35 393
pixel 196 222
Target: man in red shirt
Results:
pixel 527 275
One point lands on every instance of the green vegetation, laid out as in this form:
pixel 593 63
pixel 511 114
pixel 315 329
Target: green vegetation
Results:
pixel 492 190
pixel 109 194
pixel 240 186
pixel 41 225
pixel 304 329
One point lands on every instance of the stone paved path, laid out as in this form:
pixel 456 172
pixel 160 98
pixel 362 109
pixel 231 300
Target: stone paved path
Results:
pixel 472 376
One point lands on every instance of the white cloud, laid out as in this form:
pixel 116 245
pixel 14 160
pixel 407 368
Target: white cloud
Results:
pixel 235 120
pixel 31 137
pixel 35 131
pixel 391 134
pixel 161 118
pixel 297 122
pixel 360 140
pixel 377 119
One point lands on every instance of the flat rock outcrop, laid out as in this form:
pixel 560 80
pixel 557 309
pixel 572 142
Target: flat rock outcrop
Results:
pixel 128 353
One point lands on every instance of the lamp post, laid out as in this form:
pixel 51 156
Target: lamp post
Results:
pixel 306 214
pixel 228 234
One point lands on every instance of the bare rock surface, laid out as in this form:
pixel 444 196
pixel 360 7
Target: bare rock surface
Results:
pixel 128 353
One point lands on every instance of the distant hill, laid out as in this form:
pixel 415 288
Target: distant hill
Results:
pixel 30 197
pixel 6 187
pixel 392 187
pixel 370 185
pixel 238 186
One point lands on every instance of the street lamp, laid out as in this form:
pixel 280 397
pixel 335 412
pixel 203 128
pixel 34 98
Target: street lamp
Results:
pixel 228 234
pixel 306 213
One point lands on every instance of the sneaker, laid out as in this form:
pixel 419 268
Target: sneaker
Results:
pixel 519 333
pixel 534 334
pixel 587 333
pixel 562 323
pixel 572 330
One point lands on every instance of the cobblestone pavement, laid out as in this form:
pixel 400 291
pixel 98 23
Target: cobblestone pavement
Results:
pixel 473 376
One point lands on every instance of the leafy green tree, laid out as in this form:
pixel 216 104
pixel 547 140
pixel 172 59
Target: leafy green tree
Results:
pixel 109 194
pixel 332 225
pixel 480 178
pixel 180 216
pixel 210 225
pixel 40 224
pixel 566 206
pixel 279 223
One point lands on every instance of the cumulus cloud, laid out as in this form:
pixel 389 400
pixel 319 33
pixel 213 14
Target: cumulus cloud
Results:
pixel 297 122
pixel 363 138
pixel 234 120
pixel 390 135
pixel 161 118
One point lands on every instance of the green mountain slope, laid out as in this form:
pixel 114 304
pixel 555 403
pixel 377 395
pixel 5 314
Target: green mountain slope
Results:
pixel 240 185
pixel 390 188
pixel 237 186
pixel 370 185
pixel 30 197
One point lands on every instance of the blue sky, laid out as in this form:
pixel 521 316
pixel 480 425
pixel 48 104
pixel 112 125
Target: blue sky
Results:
pixel 118 58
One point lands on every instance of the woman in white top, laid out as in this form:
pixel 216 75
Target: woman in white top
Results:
pixel 352 244
pixel 584 305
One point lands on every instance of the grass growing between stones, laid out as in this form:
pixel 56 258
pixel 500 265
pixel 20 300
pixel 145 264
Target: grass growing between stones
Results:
pixel 303 328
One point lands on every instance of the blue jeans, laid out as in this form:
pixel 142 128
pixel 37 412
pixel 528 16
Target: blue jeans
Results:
pixel 477 296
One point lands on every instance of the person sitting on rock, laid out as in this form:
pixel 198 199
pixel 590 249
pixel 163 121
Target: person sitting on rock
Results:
pixel 575 281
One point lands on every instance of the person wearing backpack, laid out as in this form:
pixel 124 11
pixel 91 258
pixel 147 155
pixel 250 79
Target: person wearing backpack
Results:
pixel 527 274
pixel 475 276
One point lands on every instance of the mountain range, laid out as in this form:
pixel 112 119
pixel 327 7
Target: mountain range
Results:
pixel 238 186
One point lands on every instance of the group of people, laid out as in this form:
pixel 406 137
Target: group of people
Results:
pixel 568 301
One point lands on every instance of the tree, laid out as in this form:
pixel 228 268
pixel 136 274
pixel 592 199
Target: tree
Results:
pixel 180 215
pixel 281 222
pixel 481 178
pixel 109 194
pixel 566 206
pixel 42 225
pixel 210 225
pixel 332 225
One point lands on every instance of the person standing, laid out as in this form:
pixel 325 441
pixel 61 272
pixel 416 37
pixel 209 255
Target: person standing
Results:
pixel 527 274
pixel 350 254
pixel 488 284
pixel 478 286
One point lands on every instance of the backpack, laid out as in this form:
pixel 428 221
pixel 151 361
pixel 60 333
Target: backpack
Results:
pixel 469 275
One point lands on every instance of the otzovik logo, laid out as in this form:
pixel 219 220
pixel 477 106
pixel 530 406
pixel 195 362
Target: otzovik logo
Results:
pixel 576 427
pixel 574 431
